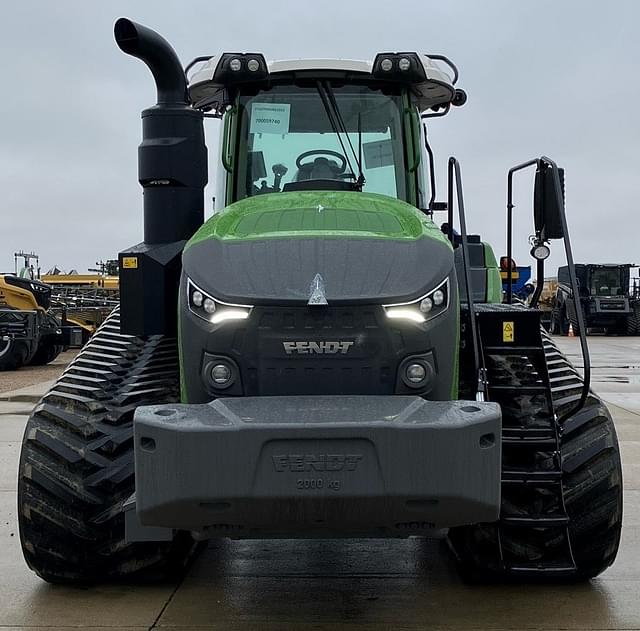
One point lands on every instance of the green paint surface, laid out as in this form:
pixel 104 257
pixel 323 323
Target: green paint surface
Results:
pixel 318 213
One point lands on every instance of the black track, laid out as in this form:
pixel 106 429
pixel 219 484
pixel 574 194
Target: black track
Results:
pixel 561 484
pixel 633 321
pixel 76 466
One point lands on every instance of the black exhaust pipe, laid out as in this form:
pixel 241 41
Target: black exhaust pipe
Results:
pixel 147 45
pixel 172 169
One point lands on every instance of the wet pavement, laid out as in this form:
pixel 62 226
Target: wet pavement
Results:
pixel 359 584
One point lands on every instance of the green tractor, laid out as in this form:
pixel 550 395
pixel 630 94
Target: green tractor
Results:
pixel 320 358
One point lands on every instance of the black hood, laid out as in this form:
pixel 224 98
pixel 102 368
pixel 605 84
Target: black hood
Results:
pixel 282 270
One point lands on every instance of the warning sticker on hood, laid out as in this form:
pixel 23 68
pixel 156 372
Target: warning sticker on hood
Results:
pixel 270 118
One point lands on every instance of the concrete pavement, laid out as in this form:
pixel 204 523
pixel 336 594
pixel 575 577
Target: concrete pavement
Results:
pixel 360 584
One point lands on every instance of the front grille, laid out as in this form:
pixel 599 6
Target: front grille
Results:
pixel 612 306
pixel 324 350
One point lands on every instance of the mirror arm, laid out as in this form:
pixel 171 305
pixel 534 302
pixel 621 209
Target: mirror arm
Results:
pixel 574 289
pixel 533 303
pixel 544 161
pixel 510 208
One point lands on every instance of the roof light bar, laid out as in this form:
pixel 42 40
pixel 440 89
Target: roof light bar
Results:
pixel 405 67
pixel 240 67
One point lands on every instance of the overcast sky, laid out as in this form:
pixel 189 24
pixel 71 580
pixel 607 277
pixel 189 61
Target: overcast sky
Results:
pixel 548 77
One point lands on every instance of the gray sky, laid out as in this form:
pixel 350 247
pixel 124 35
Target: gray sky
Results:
pixel 545 77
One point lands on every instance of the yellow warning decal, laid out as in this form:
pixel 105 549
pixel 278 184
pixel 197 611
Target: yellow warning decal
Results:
pixel 508 329
pixel 130 262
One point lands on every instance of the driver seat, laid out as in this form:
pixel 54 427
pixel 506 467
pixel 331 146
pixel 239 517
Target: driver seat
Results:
pixel 320 169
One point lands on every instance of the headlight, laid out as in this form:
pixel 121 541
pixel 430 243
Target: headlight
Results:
pixel 425 308
pixel 211 309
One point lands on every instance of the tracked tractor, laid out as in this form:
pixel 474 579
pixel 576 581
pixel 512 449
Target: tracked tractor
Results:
pixel 608 297
pixel 30 333
pixel 321 358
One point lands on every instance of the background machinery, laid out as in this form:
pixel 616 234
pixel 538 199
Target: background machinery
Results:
pixel 318 358
pixel 85 300
pixel 608 296
pixel 25 323
pixel 40 315
pixel 30 331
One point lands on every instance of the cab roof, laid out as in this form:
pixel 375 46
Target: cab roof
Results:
pixel 431 84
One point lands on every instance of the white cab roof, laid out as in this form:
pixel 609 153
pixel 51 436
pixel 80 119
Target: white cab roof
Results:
pixel 437 89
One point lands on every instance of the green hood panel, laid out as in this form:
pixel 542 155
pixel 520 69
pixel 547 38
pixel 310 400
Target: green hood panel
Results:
pixel 321 214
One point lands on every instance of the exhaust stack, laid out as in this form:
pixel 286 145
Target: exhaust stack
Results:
pixel 151 48
pixel 172 169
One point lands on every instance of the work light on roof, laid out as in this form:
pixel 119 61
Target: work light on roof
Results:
pixel 403 67
pixel 235 68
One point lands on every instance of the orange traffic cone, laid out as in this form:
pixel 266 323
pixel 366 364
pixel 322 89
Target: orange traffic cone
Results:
pixel 571 333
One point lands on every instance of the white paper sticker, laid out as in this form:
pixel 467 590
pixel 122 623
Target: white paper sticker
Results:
pixel 378 154
pixel 270 118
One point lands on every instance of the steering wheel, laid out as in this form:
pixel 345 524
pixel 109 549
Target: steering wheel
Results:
pixel 325 152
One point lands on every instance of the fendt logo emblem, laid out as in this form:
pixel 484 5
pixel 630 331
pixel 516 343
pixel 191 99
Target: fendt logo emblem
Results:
pixel 316 462
pixel 317 348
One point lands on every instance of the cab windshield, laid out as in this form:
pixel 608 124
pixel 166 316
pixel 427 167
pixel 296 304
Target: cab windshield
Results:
pixel 606 282
pixel 320 136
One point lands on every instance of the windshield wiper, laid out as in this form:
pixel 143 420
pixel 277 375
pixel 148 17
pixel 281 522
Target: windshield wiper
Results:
pixel 331 106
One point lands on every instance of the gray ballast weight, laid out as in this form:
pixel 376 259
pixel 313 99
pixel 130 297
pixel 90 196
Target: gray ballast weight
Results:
pixel 316 466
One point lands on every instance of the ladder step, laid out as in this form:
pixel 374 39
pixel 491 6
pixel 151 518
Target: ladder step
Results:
pixel 531 477
pixel 567 386
pixel 510 350
pixel 536 522
pixel 518 389
pixel 560 378
pixel 514 441
pixel 542 568
pixel 519 433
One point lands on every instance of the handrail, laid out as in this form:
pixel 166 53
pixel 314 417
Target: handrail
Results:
pixel 414 126
pixel 226 141
pixel 454 169
pixel 545 162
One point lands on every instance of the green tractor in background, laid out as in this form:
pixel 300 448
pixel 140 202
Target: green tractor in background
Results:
pixel 318 359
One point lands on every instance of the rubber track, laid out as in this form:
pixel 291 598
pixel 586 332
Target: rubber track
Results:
pixel 592 472
pixel 633 322
pixel 534 538
pixel 76 466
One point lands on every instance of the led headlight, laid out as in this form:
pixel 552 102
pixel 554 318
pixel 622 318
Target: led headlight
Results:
pixel 211 309
pixel 425 308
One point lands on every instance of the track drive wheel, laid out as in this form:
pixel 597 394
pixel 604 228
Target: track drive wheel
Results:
pixel 76 466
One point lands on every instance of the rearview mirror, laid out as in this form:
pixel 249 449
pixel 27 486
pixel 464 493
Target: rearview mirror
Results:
pixel 547 213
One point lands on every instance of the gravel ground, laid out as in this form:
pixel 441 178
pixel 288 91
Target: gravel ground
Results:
pixel 30 375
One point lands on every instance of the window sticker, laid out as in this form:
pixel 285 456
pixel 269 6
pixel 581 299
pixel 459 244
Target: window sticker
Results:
pixel 378 154
pixel 270 118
